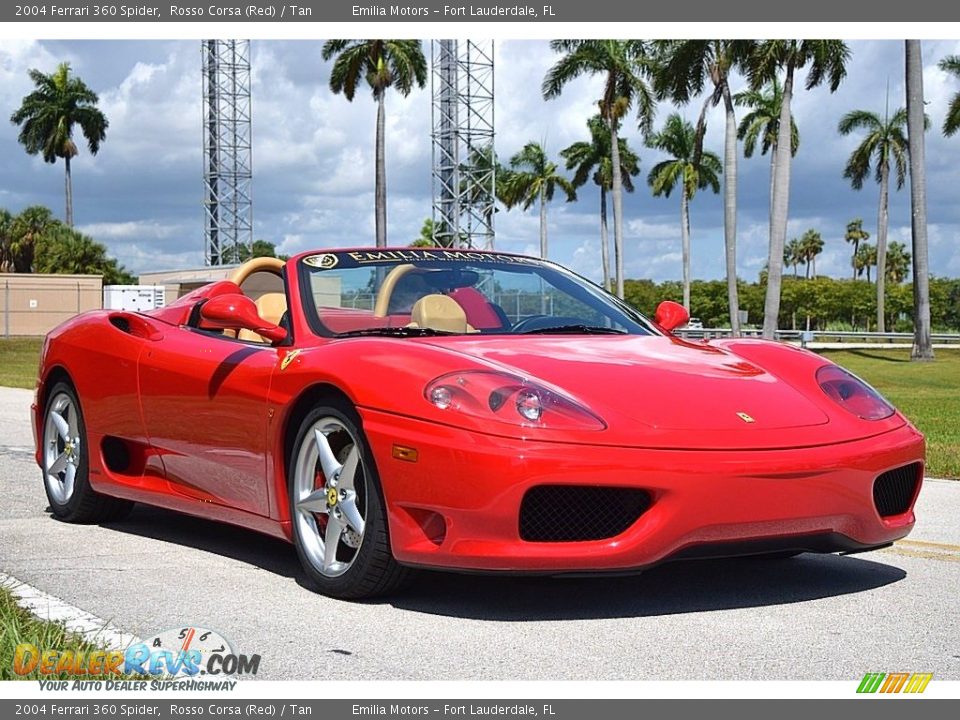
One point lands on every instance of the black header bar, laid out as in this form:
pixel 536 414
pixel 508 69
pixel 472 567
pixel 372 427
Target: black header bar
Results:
pixel 525 11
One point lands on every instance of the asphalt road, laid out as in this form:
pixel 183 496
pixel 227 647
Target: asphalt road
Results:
pixel 809 618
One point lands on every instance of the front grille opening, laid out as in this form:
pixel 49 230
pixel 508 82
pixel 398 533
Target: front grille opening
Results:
pixel 894 490
pixel 574 513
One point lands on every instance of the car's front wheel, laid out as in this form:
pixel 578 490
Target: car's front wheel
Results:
pixel 337 511
pixel 65 457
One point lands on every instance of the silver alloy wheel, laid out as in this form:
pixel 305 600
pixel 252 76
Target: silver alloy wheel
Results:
pixel 62 447
pixel 329 452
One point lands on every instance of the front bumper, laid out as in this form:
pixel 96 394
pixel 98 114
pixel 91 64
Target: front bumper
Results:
pixel 458 505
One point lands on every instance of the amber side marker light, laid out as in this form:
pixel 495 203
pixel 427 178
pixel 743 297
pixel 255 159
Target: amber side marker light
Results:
pixel 408 454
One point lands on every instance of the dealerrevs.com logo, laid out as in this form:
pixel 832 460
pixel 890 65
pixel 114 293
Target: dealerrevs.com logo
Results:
pixel 173 659
pixel 899 682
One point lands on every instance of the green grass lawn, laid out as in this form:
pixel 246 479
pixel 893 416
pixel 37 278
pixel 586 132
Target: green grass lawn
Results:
pixel 928 393
pixel 19 358
pixel 19 626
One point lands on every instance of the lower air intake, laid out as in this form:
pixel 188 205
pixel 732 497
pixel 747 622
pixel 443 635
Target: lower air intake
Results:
pixel 573 513
pixel 894 490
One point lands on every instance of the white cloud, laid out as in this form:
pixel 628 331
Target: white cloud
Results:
pixel 313 159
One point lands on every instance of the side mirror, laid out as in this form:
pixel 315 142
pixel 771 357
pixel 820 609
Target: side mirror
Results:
pixel 671 315
pixel 238 311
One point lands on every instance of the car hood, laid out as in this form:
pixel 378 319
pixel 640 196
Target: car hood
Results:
pixel 659 391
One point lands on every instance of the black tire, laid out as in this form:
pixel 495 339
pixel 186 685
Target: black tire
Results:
pixel 79 503
pixel 369 570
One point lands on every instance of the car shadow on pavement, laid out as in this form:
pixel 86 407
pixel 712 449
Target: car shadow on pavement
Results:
pixel 668 589
pixel 247 546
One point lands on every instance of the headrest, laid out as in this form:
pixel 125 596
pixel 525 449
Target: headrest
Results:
pixel 439 312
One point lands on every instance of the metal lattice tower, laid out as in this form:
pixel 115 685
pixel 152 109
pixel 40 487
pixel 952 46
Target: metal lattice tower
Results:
pixel 464 173
pixel 227 169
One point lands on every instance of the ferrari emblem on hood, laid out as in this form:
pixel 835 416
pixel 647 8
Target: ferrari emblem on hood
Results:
pixel 746 418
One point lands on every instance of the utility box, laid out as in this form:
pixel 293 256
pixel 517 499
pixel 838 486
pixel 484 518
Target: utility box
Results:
pixel 136 298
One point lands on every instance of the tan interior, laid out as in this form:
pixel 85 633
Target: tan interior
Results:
pixel 270 306
pixel 439 312
pixel 386 289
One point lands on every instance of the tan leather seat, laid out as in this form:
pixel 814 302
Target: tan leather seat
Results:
pixel 439 312
pixel 270 306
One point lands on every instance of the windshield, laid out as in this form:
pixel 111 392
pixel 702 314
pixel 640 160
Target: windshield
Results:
pixel 437 291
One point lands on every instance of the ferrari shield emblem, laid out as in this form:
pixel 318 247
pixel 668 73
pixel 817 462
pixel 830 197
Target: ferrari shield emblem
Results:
pixel 288 358
pixel 746 418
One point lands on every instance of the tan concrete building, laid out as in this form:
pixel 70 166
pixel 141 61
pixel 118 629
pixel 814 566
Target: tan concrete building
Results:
pixel 180 282
pixel 34 304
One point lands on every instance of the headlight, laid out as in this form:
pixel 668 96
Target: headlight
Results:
pixel 852 393
pixel 503 398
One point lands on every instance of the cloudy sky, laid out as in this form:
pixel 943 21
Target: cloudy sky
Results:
pixel 313 159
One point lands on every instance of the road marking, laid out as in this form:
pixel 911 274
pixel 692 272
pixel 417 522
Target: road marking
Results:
pixel 926 549
pixel 49 607
pixel 927 544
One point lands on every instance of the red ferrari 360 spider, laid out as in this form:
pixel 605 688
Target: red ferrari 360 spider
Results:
pixel 389 409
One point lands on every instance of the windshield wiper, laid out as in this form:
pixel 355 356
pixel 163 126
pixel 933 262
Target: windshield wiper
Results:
pixel 575 330
pixel 395 332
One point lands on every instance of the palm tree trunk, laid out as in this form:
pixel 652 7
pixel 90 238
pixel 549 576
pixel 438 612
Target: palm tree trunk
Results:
pixel 604 242
pixel 922 345
pixel 882 246
pixel 617 205
pixel 685 243
pixel 381 182
pixel 543 244
pixel 853 259
pixel 543 223
pixel 778 220
pixel 730 210
pixel 68 190
pixel 773 177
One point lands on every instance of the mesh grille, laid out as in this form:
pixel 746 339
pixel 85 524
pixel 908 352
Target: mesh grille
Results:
pixel 571 513
pixel 894 489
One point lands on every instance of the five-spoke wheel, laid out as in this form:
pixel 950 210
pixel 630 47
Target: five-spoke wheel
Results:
pixel 65 457
pixel 62 447
pixel 339 525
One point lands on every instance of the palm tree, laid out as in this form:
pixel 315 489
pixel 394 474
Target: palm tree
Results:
pixel 865 259
pixel 592 160
pixel 855 234
pixel 682 73
pixel 827 60
pixel 535 179
pixel 951 123
pixel 811 245
pixel 898 263
pixel 383 64
pixel 916 124
pixel 27 229
pixel 793 254
pixel 6 239
pixel 884 142
pixel 678 139
pixel 48 115
pixel 623 63
pixel 762 124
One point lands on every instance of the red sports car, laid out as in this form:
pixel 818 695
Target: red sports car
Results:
pixel 397 408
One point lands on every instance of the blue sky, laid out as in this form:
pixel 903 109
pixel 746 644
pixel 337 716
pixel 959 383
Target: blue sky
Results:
pixel 313 159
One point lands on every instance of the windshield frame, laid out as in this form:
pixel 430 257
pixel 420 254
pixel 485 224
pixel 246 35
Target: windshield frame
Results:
pixel 327 260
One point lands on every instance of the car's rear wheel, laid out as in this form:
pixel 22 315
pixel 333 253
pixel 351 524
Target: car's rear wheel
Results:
pixel 66 463
pixel 337 510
